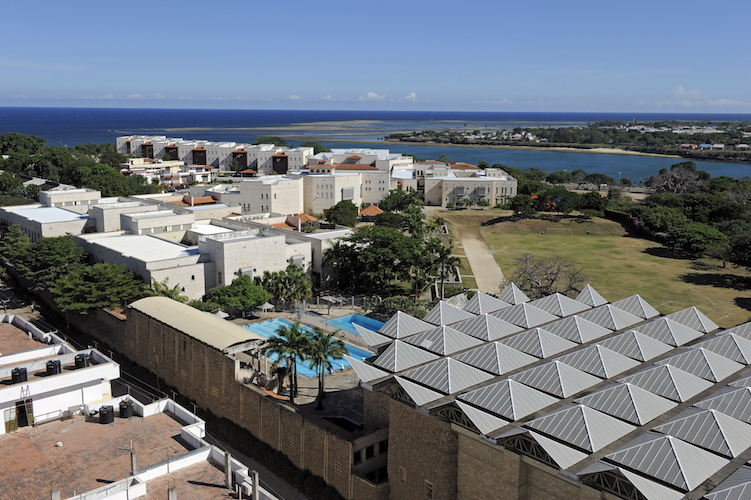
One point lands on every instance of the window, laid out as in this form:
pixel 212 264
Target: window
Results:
pixel 357 457
pixel 383 446
pixel 428 489
pixel 403 474
pixel 369 452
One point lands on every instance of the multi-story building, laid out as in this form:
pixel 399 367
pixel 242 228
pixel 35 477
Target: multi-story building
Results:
pixel 272 194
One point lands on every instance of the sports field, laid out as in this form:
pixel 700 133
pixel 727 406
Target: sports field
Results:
pixel 619 265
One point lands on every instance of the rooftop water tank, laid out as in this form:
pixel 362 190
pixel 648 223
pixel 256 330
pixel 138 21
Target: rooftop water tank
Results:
pixel 126 408
pixel 106 415
pixel 82 361
pixel 18 375
pixel 53 367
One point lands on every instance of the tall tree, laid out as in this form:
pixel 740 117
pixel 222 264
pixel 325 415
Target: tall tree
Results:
pixel 541 277
pixel 290 344
pixel 343 213
pixel 322 349
pixel 162 289
pixel 242 294
pixel 14 245
pixel 48 259
pixel 102 285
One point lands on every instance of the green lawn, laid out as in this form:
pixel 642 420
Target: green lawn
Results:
pixel 619 266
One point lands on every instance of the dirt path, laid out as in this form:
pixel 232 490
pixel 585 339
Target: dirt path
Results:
pixel 485 269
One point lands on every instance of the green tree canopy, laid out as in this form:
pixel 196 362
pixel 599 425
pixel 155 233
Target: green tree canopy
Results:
pixel 102 285
pixel 14 245
pixel 49 259
pixel 271 139
pixel 317 148
pixel 14 142
pixel 321 350
pixel 695 238
pixel 399 201
pixel 242 294
pixel 162 289
pixel 343 213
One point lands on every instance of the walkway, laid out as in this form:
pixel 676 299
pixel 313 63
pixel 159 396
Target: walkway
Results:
pixel 487 273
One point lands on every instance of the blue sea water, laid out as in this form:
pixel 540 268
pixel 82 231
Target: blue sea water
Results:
pixel 73 126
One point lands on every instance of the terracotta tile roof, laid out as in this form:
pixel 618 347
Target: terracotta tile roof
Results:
pixel 233 214
pixel 282 225
pixel 199 148
pixel 247 171
pixel 239 151
pixel 354 157
pixel 203 200
pixel 279 155
pixel 371 210
pixel 306 218
pixel 146 144
pixel 463 166
pixel 178 202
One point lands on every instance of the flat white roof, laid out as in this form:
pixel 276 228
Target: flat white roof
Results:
pixel 155 214
pixel 46 215
pixel 144 247
pixel 207 207
pixel 341 233
pixel 210 229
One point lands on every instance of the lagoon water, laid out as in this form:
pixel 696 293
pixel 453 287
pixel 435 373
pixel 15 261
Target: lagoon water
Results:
pixel 73 126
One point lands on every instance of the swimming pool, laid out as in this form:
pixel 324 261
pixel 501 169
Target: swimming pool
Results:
pixel 268 328
pixel 346 323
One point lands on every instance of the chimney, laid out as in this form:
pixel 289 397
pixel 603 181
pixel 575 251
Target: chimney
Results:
pixel 172 493
pixel 55 494
pixel 228 469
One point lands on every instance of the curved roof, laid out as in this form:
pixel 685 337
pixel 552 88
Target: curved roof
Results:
pixel 202 326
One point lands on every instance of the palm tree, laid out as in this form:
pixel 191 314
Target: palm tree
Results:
pixel 444 261
pixel 323 348
pixel 290 344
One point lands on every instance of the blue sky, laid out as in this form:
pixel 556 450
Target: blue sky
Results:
pixel 534 55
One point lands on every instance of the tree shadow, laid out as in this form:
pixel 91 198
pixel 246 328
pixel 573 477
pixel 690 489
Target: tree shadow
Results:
pixel 699 265
pixel 743 302
pixel 667 253
pixel 720 280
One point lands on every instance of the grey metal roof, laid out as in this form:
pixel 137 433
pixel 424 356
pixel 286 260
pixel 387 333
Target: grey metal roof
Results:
pixel 704 364
pixel 402 325
pixel 443 340
pixel 668 381
pixel 732 401
pixel 669 331
pixel 419 394
pixel 561 454
pixel 484 421
pixel 693 318
pixel 509 399
pixel 539 343
pixel 591 297
pixel 448 375
pixel 743 330
pixel 557 378
pixel 496 358
pixel 513 295
pixel 366 372
pixel 741 382
pixel 636 345
pixel 577 329
pixel 611 317
pixel 637 306
pixel 736 487
pixel 669 459
pixel 372 338
pixel 560 305
pixel 581 426
pixel 628 402
pixel 599 361
pixel 524 315
pixel 487 327
pixel 482 303
pixel 729 345
pixel 651 490
pixel 401 356
pixel 446 314
pixel 711 430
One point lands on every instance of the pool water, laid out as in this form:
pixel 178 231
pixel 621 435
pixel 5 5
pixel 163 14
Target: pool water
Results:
pixel 268 328
pixel 346 323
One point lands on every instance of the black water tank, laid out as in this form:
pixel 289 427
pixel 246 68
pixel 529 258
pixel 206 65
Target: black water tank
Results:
pixel 82 361
pixel 53 367
pixel 126 408
pixel 106 415
pixel 18 375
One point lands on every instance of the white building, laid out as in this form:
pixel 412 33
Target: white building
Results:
pixel 272 194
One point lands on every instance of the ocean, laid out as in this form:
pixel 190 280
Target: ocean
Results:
pixel 73 126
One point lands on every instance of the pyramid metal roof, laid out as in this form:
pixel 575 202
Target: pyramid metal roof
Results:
pixel 742 382
pixel 637 306
pixel 732 401
pixel 581 426
pixel 484 421
pixel 703 363
pixel 366 372
pixel 651 490
pixel 487 327
pixel 419 394
pixel 443 340
pixel 448 375
pixel 446 314
pixel 513 295
pixel 372 338
pixel 628 402
pixel 524 315
pixel 636 345
pixel 736 487
pixel 482 303
pixel 402 325
pixel 402 356
pixel 669 459
pixel 496 358
pixel 539 343
pixel 577 329
pixel 669 331
pixel 693 318
pixel 564 456
pixel 743 330
pixel 729 345
pixel 557 378
pixel 591 297
pixel 711 430
pixel 560 305
pixel 599 361
pixel 509 399
pixel 668 381
pixel 611 317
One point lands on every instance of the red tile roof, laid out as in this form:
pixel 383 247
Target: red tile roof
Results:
pixel 282 225
pixel 463 166
pixel 306 218
pixel 199 148
pixel 371 210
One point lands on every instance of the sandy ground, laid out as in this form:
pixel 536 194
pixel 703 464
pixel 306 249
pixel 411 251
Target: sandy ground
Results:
pixel 485 269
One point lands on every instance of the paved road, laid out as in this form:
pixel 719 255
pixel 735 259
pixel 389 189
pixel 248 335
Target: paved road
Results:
pixel 485 269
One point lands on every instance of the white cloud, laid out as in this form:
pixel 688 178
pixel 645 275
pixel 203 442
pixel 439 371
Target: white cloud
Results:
pixel 243 98
pixel 328 97
pixel 294 97
pixel 502 102
pixel 412 96
pixel 135 96
pixel 185 98
pixel 108 96
pixel 20 96
pixel 687 94
pixel 372 96
pixel 159 96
